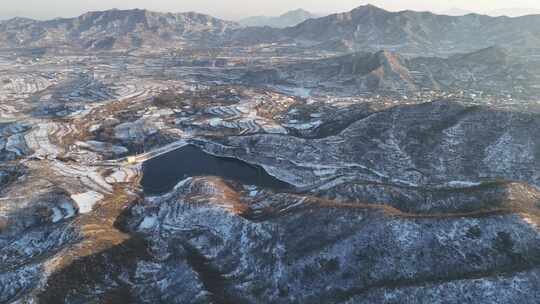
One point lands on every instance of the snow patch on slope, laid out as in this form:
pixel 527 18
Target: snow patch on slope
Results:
pixel 87 200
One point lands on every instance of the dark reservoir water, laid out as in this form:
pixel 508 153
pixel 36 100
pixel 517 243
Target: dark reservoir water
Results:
pixel 161 174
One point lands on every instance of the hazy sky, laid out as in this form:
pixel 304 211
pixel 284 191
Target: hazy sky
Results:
pixel 234 9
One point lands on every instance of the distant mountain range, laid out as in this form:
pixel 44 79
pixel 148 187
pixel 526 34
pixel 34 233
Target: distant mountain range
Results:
pixel 290 18
pixel 114 29
pixel 409 32
pixel 5 15
pixel 366 28
pixel 514 12
pixel 456 11
pixel 508 12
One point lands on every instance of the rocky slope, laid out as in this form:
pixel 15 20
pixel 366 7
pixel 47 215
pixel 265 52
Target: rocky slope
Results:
pixel 492 70
pixel 349 252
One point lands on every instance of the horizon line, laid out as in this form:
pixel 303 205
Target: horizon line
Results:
pixel 319 14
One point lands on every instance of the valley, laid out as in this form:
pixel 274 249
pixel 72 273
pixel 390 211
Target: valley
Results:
pixel 178 158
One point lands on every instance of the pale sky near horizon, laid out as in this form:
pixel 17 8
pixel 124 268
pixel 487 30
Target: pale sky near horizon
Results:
pixel 235 9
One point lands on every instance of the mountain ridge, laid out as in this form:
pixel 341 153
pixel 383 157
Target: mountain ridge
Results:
pixel 365 28
pixel 492 70
pixel 373 28
pixel 114 29
pixel 290 18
